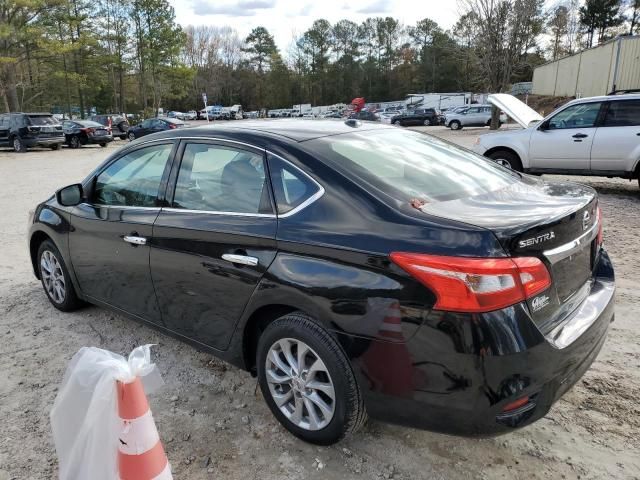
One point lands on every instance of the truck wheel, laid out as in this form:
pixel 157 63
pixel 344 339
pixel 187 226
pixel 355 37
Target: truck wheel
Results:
pixel 455 125
pixel 506 159
pixel 307 380
pixel 18 145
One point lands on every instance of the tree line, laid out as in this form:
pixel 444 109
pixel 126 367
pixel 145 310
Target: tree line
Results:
pixel 131 56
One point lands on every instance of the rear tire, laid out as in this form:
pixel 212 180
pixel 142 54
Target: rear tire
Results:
pixel 103 145
pixel 55 147
pixel 455 125
pixel 123 137
pixel 506 159
pixel 55 278
pixel 74 141
pixel 131 136
pixel 426 122
pixel 340 409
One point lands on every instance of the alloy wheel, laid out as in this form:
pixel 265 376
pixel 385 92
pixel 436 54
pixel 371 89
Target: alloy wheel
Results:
pixel 300 384
pixel 132 137
pixel 52 276
pixel 75 142
pixel 17 144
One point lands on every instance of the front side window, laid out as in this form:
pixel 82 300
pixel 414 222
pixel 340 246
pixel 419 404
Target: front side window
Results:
pixel 134 179
pixel 218 178
pixel 408 165
pixel 291 187
pixel 583 115
pixel 623 113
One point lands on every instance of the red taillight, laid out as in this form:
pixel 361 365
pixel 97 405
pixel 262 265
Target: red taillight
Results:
pixel 476 284
pixel 521 402
pixel 88 131
pixel 173 125
pixel 600 227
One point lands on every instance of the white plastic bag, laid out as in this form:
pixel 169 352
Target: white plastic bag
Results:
pixel 84 418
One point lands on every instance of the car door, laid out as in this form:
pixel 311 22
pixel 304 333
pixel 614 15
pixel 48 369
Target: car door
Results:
pixel 215 241
pixel 616 143
pixel 470 117
pixel 563 142
pixel 111 233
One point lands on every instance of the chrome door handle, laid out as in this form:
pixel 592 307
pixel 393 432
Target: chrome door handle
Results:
pixel 135 240
pixel 240 259
pixel 580 135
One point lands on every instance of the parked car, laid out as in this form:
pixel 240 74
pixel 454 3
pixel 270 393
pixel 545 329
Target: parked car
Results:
pixel 365 115
pixel 25 130
pixel 373 270
pixel 588 136
pixel 387 116
pixel 473 116
pixel 419 116
pixel 154 125
pixel 84 132
pixel 117 123
pixel 175 114
pixel 191 115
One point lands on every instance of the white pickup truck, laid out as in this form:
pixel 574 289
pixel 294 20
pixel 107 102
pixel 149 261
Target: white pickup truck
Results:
pixel 589 136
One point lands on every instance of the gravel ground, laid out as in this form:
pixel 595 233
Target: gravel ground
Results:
pixel 211 417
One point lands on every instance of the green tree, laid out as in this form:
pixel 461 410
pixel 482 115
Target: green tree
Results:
pixel 598 17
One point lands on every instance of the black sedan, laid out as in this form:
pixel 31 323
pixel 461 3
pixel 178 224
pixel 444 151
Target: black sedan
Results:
pixel 154 125
pixel 353 267
pixel 86 132
pixel 421 116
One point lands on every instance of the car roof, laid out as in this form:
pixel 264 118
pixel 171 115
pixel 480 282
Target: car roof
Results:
pixel 605 98
pixel 293 129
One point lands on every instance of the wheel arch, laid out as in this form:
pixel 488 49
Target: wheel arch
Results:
pixel 37 238
pixel 502 148
pixel 257 322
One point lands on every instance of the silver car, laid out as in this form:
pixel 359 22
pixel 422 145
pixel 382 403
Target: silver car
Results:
pixel 474 116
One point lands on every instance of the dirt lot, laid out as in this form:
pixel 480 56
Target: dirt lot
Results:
pixel 215 425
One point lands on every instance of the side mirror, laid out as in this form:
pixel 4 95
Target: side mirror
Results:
pixel 544 126
pixel 70 195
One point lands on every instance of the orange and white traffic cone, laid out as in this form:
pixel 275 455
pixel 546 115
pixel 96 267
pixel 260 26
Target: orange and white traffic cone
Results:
pixel 141 455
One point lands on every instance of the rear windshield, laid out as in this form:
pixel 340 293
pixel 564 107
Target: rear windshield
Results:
pixel 42 120
pixel 89 123
pixel 408 165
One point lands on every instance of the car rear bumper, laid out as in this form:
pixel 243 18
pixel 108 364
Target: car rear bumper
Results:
pixel 459 371
pixel 101 139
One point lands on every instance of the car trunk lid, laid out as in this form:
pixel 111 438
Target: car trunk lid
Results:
pixel 555 222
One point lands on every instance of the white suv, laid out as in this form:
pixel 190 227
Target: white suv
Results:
pixel 588 136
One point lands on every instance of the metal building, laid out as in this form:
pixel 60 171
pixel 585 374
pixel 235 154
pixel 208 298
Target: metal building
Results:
pixel 613 65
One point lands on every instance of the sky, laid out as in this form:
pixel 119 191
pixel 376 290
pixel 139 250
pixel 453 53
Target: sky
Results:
pixel 288 18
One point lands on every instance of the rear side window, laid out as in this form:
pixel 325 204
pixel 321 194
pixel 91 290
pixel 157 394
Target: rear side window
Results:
pixel 218 178
pixel 291 187
pixel 134 179
pixel 408 165
pixel 42 120
pixel 623 113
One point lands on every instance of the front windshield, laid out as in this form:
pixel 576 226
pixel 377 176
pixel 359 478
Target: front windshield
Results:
pixel 412 166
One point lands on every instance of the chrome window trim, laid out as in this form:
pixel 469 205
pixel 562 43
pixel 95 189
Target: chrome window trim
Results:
pixel 215 212
pixel 554 255
pixel 125 207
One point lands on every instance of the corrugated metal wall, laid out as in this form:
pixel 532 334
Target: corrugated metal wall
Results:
pixel 597 71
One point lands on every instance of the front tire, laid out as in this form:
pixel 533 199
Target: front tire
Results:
pixel 426 122
pixel 506 159
pixel 18 145
pixel 103 145
pixel 131 136
pixel 307 380
pixel 55 278
pixel 74 142
pixel 455 125
pixel 55 147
